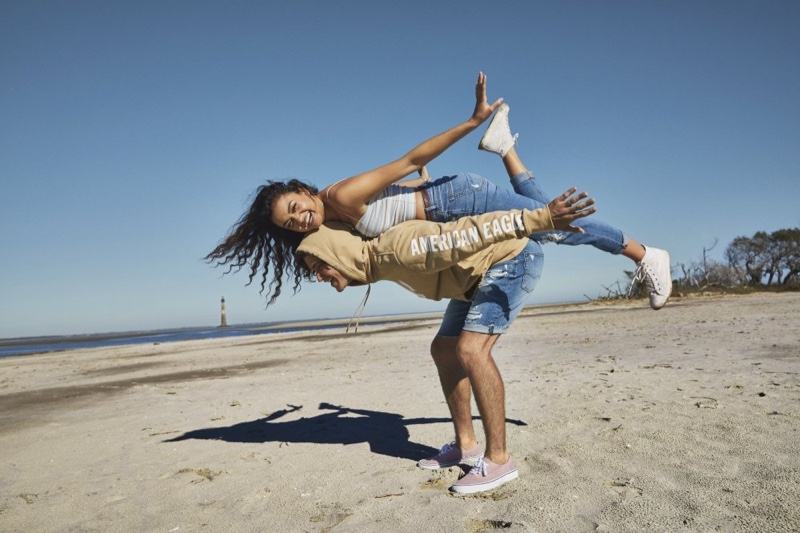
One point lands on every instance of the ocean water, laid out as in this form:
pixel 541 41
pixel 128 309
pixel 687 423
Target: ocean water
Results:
pixel 33 345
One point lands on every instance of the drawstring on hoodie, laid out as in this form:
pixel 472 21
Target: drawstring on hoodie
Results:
pixel 359 311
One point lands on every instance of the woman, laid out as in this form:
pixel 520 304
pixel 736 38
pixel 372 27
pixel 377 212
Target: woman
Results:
pixel 270 231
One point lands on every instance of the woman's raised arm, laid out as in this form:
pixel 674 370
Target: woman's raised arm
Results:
pixel 354 192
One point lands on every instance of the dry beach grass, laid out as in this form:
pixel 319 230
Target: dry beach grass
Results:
pixel 621 419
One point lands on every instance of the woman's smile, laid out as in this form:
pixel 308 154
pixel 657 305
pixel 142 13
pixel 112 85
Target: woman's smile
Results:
pixel 298 211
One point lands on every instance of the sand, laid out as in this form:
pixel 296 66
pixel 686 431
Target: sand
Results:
pixel 620 418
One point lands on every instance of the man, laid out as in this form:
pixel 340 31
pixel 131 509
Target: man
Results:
pixel 487 266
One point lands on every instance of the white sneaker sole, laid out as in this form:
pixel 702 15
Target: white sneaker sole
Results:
pixel 489 485
pixel 464 461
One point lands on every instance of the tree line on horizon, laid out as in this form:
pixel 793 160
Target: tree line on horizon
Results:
pixel 765 261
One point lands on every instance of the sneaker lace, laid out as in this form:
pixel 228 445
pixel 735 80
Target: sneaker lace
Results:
pixel 479 468
pixel 507 128
pixel 447 447
pixel 642 274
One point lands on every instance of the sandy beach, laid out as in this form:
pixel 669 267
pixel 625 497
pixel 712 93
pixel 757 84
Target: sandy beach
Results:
pixel 620 419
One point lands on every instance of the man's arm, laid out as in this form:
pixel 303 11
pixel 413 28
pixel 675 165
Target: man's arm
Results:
pixel 425 246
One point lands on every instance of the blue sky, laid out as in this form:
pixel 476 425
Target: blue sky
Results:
pixel 133 133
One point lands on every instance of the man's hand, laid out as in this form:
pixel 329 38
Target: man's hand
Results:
pixel 567 208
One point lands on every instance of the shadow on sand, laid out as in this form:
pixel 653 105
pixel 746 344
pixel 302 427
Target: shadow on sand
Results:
pixel 386 433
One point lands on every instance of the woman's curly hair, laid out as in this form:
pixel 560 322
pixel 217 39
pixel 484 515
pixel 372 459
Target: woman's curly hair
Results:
pixel 256 241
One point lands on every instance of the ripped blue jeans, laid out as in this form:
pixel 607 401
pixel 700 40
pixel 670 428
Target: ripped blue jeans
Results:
pixel 506 286
pixel 453 197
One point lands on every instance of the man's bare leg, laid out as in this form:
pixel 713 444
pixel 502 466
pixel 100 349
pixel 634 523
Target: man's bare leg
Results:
pixel 456 389
pixel 474 355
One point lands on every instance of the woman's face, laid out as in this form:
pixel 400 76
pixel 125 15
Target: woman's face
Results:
pixel 298 211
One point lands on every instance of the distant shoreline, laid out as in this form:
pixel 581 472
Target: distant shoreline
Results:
pixel 14 347
pixel 19 346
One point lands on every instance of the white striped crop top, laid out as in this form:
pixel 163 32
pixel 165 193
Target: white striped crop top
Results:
pixel 391 206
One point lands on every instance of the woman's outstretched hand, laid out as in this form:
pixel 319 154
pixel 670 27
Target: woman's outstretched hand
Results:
pixel 568 208
pixel 482 108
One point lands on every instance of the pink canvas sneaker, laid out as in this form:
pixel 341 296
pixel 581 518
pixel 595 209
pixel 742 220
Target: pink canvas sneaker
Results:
pixel 451 455
pixel 485 475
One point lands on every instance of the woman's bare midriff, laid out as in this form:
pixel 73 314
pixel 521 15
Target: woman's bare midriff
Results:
pixel 420 205
pixel 331 213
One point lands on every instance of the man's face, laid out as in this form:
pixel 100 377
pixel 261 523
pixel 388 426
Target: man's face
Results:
pixel 326 273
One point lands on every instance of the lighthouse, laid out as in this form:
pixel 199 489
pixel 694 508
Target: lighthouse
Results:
pixel 223 320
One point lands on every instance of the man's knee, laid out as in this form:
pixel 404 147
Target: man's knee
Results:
pixel 468 354
pixel 474 347
pixel 443 349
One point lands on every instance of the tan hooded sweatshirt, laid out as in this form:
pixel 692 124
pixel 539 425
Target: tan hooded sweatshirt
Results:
pixel 432 259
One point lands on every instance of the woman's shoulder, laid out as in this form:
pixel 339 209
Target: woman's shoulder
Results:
pixel 336 195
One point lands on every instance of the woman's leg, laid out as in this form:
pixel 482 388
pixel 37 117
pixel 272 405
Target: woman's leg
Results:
pixel 453 197
pixel 653 264
pixel 615 241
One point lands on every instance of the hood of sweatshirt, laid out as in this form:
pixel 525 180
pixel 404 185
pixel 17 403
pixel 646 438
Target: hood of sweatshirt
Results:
pixel 343 249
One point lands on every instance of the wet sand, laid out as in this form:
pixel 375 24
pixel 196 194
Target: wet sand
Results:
pixel 620 419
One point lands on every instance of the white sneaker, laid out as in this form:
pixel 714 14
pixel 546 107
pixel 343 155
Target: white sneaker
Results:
pixel 654 270
pixel 498 138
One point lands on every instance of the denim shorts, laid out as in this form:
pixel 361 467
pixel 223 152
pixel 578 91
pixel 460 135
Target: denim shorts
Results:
pixel 499 298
